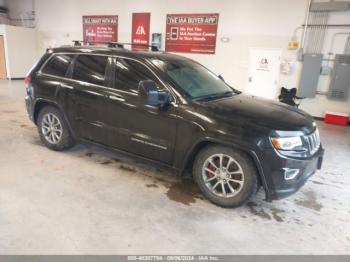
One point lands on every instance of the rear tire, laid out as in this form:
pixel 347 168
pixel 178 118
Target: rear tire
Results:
pixel 53 129
pixel 227 177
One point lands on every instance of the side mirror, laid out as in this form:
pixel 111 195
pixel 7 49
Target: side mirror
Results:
pixel 150 95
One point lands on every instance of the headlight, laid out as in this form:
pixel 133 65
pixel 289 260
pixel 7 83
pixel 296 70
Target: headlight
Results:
pixel 287 143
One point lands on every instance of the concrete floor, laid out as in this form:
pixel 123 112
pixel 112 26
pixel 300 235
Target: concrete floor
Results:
pixel 91 201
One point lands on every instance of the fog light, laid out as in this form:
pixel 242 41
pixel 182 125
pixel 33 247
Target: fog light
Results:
pixel 290 173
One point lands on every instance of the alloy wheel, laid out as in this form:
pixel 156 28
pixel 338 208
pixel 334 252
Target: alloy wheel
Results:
pixel 223 175
pixel 51 128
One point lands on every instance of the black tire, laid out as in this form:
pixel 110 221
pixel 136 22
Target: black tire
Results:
pixel 245 192
pixel 66 139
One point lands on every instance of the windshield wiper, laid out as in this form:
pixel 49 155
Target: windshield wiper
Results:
pixel 214 96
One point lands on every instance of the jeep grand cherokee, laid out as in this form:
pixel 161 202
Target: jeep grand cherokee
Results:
pixel 172 110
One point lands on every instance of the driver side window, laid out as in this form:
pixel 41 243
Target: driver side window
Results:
pixel 129 73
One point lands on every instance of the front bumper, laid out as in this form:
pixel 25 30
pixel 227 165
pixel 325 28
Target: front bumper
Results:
pixel 275 166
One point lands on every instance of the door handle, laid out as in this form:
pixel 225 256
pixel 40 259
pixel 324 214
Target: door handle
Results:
pixel 117 98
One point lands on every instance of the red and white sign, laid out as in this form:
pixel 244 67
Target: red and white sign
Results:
pixel 192 33
pixel 140 31
pixel 264 64
pixel 102 28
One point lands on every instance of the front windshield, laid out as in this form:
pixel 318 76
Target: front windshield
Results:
pixel 194 79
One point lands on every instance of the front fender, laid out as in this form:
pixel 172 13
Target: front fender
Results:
pixel 239 145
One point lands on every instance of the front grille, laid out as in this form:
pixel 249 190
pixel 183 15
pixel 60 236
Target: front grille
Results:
pixel 313 142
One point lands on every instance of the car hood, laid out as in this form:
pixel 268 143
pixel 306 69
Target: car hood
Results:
pixel 262 112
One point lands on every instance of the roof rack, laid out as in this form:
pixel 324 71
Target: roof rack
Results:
pixel 108 43
pixel 80 43
pixel 113 44
pixel 153 47
pixel 77 42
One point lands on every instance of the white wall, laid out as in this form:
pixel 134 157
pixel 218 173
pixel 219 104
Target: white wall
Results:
pixel 248 23
pixel 20 45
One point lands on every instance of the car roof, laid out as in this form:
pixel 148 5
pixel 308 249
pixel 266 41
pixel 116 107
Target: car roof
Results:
pixel 143 55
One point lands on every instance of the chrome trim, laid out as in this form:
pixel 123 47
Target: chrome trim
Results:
pixel 294 173
pixel 66 86
pixel 117 98
pixel 147 143
pixel 313 142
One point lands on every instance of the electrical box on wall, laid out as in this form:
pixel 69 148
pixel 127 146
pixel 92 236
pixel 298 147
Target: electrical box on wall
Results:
pixel 340 82
pixel 331 6
pixel 309 75
pixel 287 67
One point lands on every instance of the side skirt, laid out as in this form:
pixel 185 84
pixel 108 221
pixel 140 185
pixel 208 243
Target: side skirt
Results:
pixel 143 160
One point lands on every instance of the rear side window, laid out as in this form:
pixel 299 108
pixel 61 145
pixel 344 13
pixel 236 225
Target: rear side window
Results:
pixel 58 65
pixel 130 73
pixel 91 69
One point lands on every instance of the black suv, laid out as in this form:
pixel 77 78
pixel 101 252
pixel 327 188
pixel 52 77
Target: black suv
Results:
pixel 172 110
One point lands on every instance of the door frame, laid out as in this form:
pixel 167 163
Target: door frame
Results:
pixel 250 66
pixel 3 51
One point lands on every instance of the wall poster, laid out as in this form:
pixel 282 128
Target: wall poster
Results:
pixel 101 28
pixel 140 31
pixel 192 33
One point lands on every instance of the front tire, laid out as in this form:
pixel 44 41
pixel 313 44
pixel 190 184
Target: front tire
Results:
pixel 53 129
pixel 227 177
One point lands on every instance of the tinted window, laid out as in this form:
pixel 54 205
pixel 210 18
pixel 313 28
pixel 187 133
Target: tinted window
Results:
pixel 58 65
pixel 193 78
pixel 130 73
pixel 91 69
